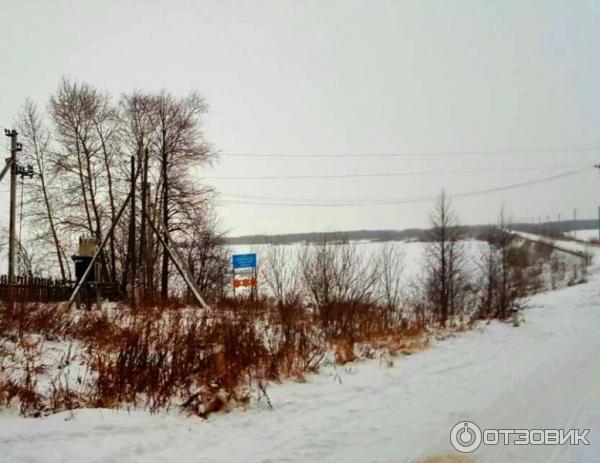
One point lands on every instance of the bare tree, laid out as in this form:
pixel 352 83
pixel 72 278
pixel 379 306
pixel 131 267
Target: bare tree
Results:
pixel 207 256
pixel 280 273
pixel 106 123
pixel 489 269
pixel 339 281
pixel 502 284
pixel 137 132
pixel 502 242
pixel 85 162
pixel 41 203
pixel 84 172
pixel 445 277
pixel 390 266
pixel 179 145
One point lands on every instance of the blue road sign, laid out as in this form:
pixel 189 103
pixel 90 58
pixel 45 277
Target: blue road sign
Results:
pixel 243 260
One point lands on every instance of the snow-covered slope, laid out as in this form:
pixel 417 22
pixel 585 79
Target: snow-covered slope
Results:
pixel 546 373
pixel 584 235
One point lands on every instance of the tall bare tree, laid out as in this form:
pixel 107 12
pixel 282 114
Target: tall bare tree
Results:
pixel 41 204
pixel 502 287
pixel 179 145
pixel 84 175
pixel 445 276
pixel 84 163
pixel 106 123
pixel 136 110
pixel 206 255
pixel 390 266
pixel 280 274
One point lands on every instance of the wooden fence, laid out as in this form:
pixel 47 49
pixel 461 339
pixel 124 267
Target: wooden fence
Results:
pixel 35 289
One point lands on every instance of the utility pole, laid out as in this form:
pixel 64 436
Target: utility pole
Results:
pixel 143 257
pixel 597 166
pixel 15 147
pixel 132 241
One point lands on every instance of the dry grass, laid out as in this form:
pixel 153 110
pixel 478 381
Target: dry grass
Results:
pixel 161 358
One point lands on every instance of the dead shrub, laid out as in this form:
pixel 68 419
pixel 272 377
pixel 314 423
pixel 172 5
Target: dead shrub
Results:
pixel 344 352
pixel 49 320
pixel 21 366
pixel 338 280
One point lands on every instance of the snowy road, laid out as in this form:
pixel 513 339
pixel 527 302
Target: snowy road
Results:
pixel 545 373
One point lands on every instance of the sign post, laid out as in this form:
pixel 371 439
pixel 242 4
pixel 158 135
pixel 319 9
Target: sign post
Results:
pixel 244 272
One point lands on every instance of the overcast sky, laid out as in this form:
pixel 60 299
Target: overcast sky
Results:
pixel 344 77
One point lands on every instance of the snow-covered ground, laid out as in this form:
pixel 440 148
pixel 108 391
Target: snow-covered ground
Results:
pixel 567 245
pixel 546 373
pixel 584 235
pixel 412 253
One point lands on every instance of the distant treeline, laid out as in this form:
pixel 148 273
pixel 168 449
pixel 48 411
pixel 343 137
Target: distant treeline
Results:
pixel 563 226
pixel 470 231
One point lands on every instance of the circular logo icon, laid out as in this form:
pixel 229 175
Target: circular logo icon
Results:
pixel 465 437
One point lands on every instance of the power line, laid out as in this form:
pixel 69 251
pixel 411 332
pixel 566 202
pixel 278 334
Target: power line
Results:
pixel 392 174
pixel 306 201
pixel 415 153
pixel 358 202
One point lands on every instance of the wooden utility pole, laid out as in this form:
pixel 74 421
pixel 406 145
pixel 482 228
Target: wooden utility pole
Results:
pixel 597 166
pixel 143 255
pixel 15 147
pixel 164 277
pixel 132 235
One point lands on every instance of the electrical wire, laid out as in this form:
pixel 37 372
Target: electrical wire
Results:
pixel 393 174
pixel 290 202
pixel 415 153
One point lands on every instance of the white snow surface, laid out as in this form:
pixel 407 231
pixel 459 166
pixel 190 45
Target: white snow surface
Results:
pixel 546 373
pixel 584 235
pixel 412 253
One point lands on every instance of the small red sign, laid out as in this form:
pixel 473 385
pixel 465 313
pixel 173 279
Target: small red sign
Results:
pixel 244 282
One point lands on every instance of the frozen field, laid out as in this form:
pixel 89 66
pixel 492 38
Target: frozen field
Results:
pixel 545 373
pixel 585 235
pixel 412 252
